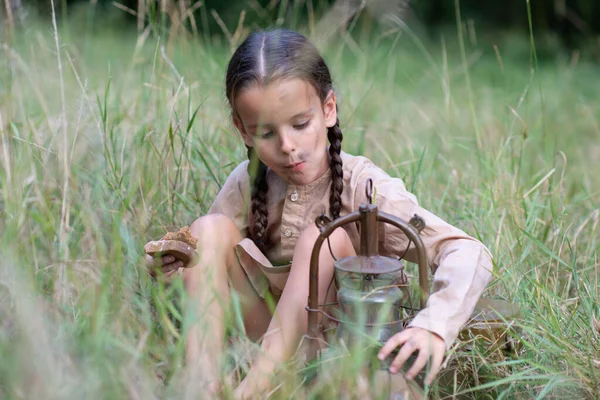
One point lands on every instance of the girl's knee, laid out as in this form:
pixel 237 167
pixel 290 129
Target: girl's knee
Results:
pixel 216 236
pixel 341 241
pixel 213 226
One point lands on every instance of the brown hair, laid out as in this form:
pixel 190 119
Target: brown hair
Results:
pixel 263 57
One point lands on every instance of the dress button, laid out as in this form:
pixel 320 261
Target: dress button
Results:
pixel 287 233
pixel 294 196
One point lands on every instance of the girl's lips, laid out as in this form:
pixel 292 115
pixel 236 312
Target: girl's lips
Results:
pixel 297 167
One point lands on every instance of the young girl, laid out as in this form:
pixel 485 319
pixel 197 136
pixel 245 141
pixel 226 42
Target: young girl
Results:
pixel 260 231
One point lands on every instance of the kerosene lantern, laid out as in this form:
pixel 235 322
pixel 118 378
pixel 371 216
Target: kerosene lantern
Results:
pixel 373 297
pixel 373 290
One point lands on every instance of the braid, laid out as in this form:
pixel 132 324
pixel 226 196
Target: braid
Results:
pixel 335 136
pixel 260 213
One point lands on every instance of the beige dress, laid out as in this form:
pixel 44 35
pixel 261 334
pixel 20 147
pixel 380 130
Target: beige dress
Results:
pixel 462 265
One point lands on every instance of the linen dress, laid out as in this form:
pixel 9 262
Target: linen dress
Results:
pixel 461 264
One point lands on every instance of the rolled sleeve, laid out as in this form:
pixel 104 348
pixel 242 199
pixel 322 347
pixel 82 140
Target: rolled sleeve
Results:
pixel 462 276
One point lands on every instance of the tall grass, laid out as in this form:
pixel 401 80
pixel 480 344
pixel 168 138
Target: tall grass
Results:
pixel 502 147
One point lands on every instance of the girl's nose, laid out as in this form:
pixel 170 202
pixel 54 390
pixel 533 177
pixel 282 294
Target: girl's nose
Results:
pixel 287 143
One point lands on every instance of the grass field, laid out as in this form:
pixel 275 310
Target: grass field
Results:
pixel 109 139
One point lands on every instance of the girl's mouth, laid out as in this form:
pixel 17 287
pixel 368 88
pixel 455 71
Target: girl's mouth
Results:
pixel 296 167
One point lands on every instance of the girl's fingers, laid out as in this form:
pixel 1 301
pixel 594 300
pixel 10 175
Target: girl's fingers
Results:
pixel 148 260
pixel 405 351
pixel 150 263
pixel 392 343
pixel 172 272
pixel 166 264
pixel 167 259
pixel 172 267
pixel 160 262
pixel 436 363
pixel 411 340
pixel 419 363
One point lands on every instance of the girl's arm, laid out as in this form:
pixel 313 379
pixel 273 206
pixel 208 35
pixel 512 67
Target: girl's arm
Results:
pixel 461 265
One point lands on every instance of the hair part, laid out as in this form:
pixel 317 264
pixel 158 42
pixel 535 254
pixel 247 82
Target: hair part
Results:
pixel 264 57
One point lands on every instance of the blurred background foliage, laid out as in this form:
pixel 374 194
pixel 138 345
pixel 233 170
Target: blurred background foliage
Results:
pixel 569 23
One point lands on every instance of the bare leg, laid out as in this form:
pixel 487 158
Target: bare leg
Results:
pixel 208 285
pixel 291 318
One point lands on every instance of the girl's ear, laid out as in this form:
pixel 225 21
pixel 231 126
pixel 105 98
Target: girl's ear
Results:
pixel 240 127
pixel 330 109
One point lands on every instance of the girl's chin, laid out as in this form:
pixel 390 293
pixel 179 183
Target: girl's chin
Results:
pixel 298 180
pixel 302 178
pixel 303 174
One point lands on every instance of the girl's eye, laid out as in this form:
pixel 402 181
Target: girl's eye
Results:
pixel 301 126
pixel 266 135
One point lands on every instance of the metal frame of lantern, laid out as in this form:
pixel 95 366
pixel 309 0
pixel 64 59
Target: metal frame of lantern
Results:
pixel 368 259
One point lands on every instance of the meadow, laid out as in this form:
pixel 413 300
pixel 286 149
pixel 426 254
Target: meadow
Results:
pixel 110 138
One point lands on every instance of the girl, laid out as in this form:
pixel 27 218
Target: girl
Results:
pixel 257 238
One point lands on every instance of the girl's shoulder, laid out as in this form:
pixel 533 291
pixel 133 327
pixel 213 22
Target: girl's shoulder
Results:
pixel 357 169
pixel 237 182
pixel 239 175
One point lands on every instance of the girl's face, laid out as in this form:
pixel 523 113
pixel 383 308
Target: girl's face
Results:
pixel 286 124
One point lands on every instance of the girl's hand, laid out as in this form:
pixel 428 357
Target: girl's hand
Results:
pixel 428 344
pixel 162 266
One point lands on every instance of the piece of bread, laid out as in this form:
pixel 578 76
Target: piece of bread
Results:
pixel 181 245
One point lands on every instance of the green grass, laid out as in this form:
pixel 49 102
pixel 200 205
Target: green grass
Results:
pixel 509 155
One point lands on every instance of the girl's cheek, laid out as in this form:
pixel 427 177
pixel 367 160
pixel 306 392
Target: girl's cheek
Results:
pixel 314 133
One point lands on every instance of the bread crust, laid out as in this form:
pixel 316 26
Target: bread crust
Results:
pixel 180 244
pixel 183 235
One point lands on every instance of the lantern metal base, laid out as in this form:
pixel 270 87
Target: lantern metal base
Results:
pixel 371 379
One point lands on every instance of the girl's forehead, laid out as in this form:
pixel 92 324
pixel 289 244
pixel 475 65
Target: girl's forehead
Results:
pixel 277 99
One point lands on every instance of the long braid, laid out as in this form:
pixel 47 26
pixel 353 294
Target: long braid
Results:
pixel 260 213
pixel 335 136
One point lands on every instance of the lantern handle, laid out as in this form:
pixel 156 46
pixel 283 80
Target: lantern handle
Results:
pixel 417 222
pixel 322 221
pixel 412 233
pixel 313 288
